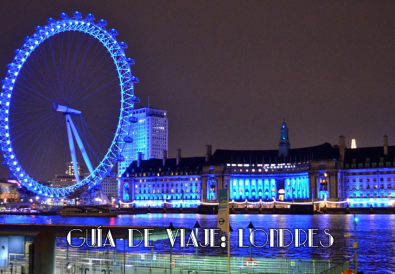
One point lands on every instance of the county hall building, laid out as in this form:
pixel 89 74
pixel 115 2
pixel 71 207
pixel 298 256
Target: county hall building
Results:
pixel 360 177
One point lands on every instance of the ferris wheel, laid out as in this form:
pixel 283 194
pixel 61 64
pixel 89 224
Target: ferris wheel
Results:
pixel 70 81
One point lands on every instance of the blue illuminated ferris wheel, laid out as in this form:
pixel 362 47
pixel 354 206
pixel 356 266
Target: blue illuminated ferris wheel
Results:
pixel 70 81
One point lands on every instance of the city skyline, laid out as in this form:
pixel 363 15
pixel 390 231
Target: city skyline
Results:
pixel 228 74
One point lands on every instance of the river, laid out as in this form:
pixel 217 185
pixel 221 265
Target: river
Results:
pixel 375 234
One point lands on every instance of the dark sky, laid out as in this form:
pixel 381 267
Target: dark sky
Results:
pixel 228 72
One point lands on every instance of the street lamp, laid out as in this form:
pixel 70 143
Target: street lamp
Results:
pixel 250 227
pixel 171 227
pixel 197 226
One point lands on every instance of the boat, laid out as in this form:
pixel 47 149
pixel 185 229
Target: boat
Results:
pixel 82 211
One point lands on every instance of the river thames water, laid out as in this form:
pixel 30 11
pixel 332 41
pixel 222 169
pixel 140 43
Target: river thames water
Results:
pixel 375 234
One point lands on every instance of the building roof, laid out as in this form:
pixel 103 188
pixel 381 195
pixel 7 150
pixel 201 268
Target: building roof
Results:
pixel 373 153
pixel 190 163
pixel 320 152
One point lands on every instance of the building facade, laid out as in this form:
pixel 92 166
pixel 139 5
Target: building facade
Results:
pixel 9 192
pixel 340 176
pixel 163 182
pixel 368 175
pixel 68 178
pixel 110 187
pixel 149 136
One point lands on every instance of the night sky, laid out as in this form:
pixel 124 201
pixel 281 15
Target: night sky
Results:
pixel 228 72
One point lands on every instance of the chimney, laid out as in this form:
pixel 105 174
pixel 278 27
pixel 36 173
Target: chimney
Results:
pixel 164 157
pixel 139 158
pixel 353 144
pixel 385 145
pixel 208 153
pixel 178 156
pixel 342 147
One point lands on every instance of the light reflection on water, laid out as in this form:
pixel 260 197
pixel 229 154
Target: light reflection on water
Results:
pixel 376 236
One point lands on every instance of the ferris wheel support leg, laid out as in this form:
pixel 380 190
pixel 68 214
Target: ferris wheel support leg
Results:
pixel 72 148
pixel 81 147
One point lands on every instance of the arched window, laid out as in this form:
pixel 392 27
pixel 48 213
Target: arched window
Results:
pixel 125 194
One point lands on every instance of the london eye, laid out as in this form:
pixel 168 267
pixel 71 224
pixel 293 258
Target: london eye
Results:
pixel 68 96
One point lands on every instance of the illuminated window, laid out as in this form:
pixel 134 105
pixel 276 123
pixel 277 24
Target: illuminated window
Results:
pixel 136 186
pixel 375 186
pixel 172 191
pixel 186 184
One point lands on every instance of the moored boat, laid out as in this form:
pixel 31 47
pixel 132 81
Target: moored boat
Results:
pixel 79 211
